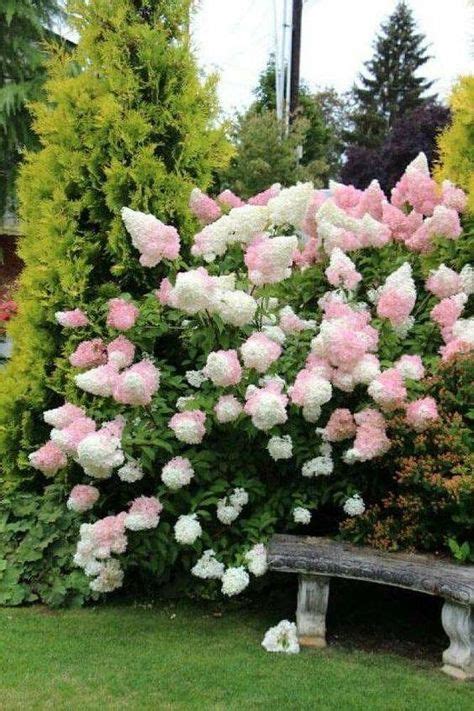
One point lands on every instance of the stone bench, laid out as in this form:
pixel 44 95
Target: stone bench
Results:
pixel 316 560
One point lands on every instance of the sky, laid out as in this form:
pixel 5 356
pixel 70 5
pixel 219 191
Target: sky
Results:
pixel 235 37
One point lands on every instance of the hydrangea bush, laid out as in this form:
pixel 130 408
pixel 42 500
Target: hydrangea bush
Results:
pixel 253 388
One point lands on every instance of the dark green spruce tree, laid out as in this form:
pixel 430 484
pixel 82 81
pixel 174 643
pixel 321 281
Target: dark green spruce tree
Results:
pixel 24 30
pixel 391 85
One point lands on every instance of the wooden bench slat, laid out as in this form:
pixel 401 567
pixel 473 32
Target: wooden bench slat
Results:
pixel 423 573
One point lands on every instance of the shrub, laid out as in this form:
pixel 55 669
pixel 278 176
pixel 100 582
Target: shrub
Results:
pixel 37 539
pixel 206 415
pixel 456 143
pixel 426 491
pixel 126 120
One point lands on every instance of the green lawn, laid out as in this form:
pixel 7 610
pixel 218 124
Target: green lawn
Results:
pixel 183 656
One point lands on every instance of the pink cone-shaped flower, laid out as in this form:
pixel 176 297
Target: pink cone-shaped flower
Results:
pixel 177 473
pixel 319 365
pixel 121 352
pixel 143 513
pixel 153 239
pixel 63 416
pixel 267 405
pixel 229 199
pixel 164 293
pixel 455 347
pixel 309 225
pixel 397 296
pixel 189 426
pixel 71 319
pixel 137 385
pixel 99 453
pixel 453 197
pixel 203 207
pixel 371 440
pixel 261 199
pixel 421 413
pixel 98 381
pixel 340 426
pixel 444 222
pixel 115 427
pixel 447 312
pixel 342 270
pixel 48 459
pixel 82 498
pixel 402 226
pixel 68 438
pixel 345 196
pixel 269 259
pixel 444 282
pixel 223 368
pixel 89 354
pixel 292 323
pixel 104 537
pixel 227 409
pixel 410 366
pixel 388 389
pixel 371 202
pixel 416 188
pixel 122 314
pixel 259 352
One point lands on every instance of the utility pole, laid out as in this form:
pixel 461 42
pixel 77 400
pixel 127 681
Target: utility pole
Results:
pixel 295 56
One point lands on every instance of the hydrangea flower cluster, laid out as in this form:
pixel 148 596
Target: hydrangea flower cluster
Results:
pixel 282 638
pixel 154 240
pixel 289 346
pixel 230 507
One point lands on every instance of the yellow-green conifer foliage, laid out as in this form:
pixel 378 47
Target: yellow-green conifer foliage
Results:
pixel 126 121
pixel 456 143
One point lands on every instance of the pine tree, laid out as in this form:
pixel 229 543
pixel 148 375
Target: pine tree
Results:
pixel 391 86
pixel 24 26
pixel 126 122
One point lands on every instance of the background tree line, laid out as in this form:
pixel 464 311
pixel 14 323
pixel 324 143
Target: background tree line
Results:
pixel 375 129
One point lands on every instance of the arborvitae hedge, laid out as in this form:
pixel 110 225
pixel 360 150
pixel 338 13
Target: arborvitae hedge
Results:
pixel 456 144
pixel 126 122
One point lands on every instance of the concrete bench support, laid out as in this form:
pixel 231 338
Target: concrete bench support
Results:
pixel 317 560
pixel 313 593
pixel 458 623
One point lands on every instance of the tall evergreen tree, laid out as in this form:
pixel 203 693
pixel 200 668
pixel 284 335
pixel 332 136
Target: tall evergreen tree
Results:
pixel 24 26
pixel 391 85
pixel 126 122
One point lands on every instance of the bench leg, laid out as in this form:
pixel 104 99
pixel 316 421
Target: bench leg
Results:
pixel 313 592
pixel 458 623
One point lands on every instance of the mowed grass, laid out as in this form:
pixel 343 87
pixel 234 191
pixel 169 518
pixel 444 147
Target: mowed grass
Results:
pixel 187 656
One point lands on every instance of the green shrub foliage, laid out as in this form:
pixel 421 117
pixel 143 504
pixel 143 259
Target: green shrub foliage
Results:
pixel 312 334
pixel 126 121
pixel 37 540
